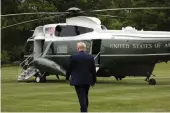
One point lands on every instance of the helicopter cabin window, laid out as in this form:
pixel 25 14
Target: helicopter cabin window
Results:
pixel 103 27
pixel 60 48
pixel 70 30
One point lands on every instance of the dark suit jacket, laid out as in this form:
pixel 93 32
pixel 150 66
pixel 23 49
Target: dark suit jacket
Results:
pixel 82 69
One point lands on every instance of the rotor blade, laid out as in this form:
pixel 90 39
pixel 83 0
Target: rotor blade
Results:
pixel 36 13
pixel 24 22
pixel 137 8
pixel 109 16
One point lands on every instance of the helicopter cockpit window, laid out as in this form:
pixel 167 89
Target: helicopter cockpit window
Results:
pixel 69 30
pixel 65 31
pixel 83 30
pixel 103 27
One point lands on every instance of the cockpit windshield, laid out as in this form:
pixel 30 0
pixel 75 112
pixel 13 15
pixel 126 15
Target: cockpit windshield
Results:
pixel 69 30
pixel 103 27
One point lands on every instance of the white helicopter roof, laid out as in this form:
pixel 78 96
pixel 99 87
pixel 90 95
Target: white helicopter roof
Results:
pixel 94 23
pixel 84 21
pixel 53 25
pixel 130 32
pixel 90 22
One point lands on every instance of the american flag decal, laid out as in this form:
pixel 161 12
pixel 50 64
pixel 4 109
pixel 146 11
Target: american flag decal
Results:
pixel 51 30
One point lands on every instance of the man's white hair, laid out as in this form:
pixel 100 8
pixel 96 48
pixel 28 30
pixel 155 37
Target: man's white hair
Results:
pixel 81 45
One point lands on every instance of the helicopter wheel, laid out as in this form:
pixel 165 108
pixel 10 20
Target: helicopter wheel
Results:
pixel 152 81
pixel 40 78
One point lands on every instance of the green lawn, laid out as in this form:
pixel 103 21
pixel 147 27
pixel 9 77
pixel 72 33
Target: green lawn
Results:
pixel 129 95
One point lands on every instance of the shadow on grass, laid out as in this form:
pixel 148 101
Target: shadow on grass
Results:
pixel 105 82
pixel 48 81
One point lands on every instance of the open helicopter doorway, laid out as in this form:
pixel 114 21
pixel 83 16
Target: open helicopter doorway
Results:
pixel 32 49
pixel 95 50
pixel 28 49
pixel 38 48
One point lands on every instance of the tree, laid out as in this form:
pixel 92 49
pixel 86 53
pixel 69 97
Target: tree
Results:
pixel 14 38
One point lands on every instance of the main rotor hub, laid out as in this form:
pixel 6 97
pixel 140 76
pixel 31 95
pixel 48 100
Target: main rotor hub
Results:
pixel 74 11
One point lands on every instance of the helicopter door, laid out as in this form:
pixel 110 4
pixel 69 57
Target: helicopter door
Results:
pixel 27 52
pixel 96 45
pixel 28 49
pixel 38 48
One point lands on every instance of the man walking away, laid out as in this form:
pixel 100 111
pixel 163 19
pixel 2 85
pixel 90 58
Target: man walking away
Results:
pixel 83 74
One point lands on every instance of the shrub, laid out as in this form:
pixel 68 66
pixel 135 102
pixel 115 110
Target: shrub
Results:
pixel 5 57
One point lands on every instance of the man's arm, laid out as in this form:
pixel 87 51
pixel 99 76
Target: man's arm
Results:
pixel 93 71
pixel 68 72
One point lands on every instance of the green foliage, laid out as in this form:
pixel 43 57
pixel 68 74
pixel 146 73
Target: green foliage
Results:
pixel 5 57
pixel 141 19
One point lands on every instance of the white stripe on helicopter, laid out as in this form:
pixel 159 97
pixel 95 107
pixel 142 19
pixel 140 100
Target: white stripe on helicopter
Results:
pixel 159 54
pixel 115 55
pixel 107 37
pixel 113 36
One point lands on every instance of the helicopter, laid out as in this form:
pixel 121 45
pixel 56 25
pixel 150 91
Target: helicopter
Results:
pixel 118 53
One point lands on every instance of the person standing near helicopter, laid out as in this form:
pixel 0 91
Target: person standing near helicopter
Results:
pixel 83 74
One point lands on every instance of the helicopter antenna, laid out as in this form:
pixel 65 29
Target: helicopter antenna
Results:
pixel 42 13
pixel 24 22
pixel 138 8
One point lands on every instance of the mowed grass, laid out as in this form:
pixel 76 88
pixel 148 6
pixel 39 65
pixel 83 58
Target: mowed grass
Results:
pixel 132 94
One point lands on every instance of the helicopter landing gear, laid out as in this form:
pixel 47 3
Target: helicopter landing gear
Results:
pixel 151 81
pixel 119 77
pixel 57 77
pixel 40 78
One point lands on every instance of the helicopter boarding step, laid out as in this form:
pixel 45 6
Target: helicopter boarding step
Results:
pixel 96 58
pixel 97 67
pixel 28 73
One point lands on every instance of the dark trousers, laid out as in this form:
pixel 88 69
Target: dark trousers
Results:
pixel 82 93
